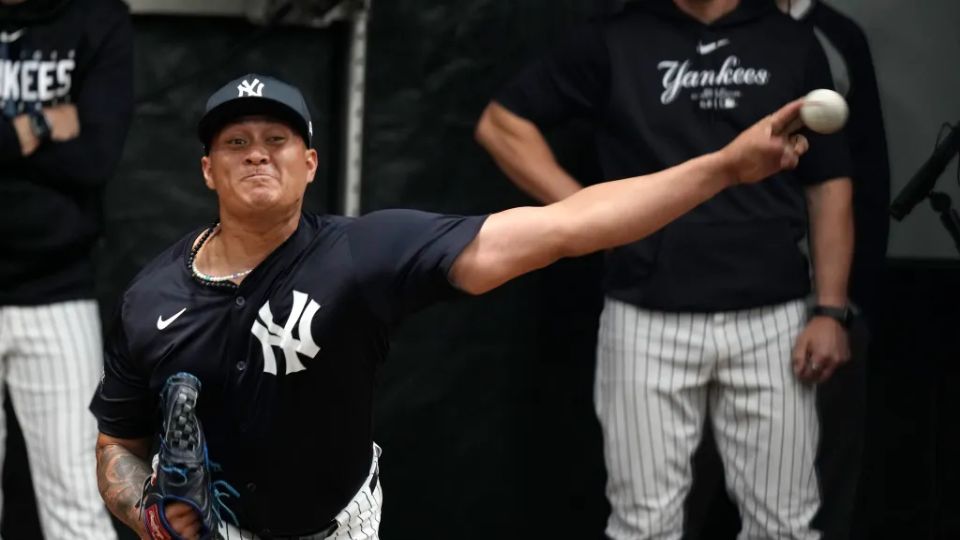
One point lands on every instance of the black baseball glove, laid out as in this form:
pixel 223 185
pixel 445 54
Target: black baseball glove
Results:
pixel 181 469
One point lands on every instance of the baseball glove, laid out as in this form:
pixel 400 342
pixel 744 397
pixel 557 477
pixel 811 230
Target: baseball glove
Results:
pixel 181 469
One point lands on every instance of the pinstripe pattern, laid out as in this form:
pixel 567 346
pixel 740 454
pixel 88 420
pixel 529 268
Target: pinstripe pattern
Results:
pixel 51 359
pixel 658 377
pixel 359 520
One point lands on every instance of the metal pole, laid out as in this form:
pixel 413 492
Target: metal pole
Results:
pixel 353 130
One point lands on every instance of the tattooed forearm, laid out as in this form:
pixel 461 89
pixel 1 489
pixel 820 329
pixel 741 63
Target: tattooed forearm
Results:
pixel 120 475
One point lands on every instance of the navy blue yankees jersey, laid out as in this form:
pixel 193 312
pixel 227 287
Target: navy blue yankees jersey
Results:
pixel 286 360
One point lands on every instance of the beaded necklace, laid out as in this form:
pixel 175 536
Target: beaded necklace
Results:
pixel 207 279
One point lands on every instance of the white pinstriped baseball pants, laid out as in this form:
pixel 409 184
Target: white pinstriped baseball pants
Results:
pixel 359 520
pixel 51 357
pixel 659 374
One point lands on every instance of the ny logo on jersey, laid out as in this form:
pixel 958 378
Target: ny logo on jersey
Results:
pixel 247 88
pixel 271 335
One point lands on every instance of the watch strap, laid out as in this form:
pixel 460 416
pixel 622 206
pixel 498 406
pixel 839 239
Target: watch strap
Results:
pixel 39 126
pixel 841 314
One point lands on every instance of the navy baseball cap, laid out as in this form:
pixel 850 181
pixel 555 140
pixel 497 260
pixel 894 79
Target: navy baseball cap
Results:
pixel 252 95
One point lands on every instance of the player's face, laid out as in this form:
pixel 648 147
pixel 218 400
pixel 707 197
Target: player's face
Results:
pixel 257 164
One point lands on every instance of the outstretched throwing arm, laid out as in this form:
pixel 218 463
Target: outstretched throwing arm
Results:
pixel 520 240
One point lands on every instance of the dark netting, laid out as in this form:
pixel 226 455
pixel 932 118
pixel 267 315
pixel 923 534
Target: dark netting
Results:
pixel 485 407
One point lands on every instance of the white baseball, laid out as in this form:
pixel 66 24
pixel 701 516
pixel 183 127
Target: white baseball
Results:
pixel 824 111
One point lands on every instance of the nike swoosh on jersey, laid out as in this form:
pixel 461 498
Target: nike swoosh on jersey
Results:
pixel 707 48
pixel 163 324
pixel 10 37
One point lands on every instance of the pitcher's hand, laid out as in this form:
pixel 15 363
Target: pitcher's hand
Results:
pixel 767 147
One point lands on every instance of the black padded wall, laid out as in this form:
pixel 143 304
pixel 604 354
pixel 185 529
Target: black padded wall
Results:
pixel 484 409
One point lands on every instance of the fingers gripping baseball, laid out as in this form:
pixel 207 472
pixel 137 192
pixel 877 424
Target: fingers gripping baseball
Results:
pixel 793 147
pixel 769 146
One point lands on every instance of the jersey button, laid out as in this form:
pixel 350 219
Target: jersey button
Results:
pixel 241 301
pixel 251 487
pixel 241 365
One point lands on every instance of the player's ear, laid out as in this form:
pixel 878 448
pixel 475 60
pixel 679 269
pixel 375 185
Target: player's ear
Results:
pixel 312 161
pixel 207 174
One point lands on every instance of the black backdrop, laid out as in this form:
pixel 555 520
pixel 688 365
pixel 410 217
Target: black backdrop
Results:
pixel 484 409
pixel 485 405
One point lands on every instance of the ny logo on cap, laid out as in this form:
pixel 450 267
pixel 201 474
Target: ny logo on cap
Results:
pixel 247 88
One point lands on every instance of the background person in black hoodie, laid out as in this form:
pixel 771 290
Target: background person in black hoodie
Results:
pixel 66 94
pixel 708 315
pixel 842 400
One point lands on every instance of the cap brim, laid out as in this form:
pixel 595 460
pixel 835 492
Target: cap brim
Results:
pixel 218 117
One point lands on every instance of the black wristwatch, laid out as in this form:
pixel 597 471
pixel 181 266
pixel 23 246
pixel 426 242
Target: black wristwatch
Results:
pixel 39 126
pixel 843 315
